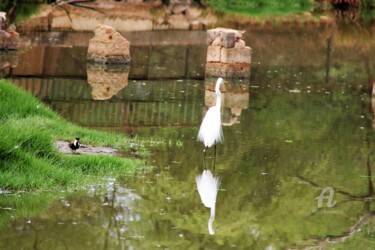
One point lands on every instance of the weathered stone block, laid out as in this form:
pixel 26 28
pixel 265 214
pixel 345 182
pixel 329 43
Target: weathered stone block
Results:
pixel 108 46
pixel 129 24
pixel 217 42
pixel 83 23
pixel 197 25
pixel 228 38
pixel 34 24
pixel 9 40
pixel 178 8
pixel 234 59
pixel 61 22
pixel 212 34
pixel 34 54
pixel 235 55
pixel 193 13
pixel 226 70
pixel 179 22
pixel 213 53
pixel 240 44
pixel 56 58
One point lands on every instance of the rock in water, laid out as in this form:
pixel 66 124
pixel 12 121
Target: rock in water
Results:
pixel 108 46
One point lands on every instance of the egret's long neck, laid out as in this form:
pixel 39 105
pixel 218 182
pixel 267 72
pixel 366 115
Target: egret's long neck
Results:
pixel 218 99
pixel 211 220
pixel 218 93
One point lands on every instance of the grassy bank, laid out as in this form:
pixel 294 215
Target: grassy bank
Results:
pixel 262 7
pixel 28 157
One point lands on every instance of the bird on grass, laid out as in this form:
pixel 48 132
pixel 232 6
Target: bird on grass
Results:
pixel 210 131
pixel 74 145
pixel 208 185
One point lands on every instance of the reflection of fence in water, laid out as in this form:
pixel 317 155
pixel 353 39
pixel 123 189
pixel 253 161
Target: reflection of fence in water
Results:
pixel 167 103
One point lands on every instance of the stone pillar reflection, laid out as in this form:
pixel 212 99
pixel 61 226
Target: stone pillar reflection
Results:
pixel 235 98
pixel 106 80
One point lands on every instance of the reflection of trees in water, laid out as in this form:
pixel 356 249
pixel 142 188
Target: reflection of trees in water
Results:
pixel 366 199
pixel 364 219
pixel 332 158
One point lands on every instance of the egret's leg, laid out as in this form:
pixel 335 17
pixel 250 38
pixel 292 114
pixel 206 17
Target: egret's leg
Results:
pixel 205 151
pixel 215 150
pixel 213 169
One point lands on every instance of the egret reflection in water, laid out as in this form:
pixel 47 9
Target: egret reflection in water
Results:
pixel 208 185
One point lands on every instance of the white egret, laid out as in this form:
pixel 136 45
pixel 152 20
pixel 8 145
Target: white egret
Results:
pixel 211 131
pixel 208 185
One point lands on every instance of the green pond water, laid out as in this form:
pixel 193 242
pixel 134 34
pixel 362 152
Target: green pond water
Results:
pixel 295 167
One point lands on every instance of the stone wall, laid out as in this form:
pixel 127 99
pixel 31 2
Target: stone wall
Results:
pixel 122 16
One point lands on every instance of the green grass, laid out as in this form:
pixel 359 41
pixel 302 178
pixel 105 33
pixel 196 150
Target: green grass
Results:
pixel 262 7
pixel 29 159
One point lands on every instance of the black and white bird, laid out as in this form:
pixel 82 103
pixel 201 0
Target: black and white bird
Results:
pixel 74 145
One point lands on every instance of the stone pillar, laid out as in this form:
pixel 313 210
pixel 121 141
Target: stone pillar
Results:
pixel 227 54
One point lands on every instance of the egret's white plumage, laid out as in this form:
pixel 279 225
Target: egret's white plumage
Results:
pixel 208 185
pixel 211 131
